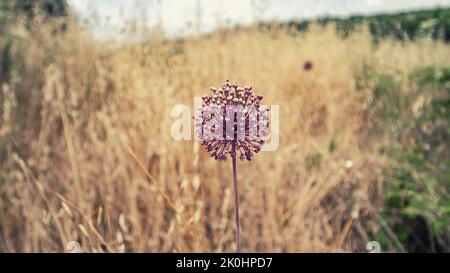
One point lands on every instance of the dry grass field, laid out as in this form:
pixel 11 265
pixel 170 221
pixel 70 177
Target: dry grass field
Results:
pixel 87 154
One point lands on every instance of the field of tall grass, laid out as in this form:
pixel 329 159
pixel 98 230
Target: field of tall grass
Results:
pixel 86 152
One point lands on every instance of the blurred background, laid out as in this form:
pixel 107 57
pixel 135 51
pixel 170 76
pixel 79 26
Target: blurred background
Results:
pixel 86 154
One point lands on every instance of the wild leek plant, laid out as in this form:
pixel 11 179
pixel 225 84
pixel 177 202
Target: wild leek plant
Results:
pixel 232 121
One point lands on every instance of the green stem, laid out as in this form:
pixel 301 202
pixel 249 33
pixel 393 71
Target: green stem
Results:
pixel 236 199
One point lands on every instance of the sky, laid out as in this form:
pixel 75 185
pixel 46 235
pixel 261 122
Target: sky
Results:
pixel 184 17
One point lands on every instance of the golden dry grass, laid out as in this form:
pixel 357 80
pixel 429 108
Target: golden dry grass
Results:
pixel 89 155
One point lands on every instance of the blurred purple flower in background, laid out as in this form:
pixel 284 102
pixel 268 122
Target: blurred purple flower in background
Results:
pixel 307 65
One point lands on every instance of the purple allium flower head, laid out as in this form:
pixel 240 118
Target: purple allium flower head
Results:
pixel 232 115
pixel 307 65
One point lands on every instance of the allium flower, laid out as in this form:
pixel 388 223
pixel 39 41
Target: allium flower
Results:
pixel 308 65
pixel 232 121
pixel 232 115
